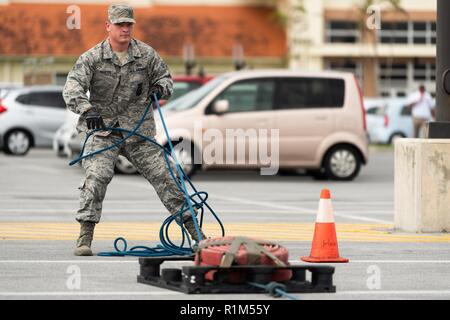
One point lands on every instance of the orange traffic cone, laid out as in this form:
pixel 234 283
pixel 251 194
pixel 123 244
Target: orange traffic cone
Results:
pixel 325 246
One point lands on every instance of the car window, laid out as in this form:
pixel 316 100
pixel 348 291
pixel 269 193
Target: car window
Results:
pixel 302 93
pixel 249 95
pixel 191 99
pixel 375 111
pixel 4 92
pixel 406 111
pixel 23 98
pixel 44 98
pixel 181 88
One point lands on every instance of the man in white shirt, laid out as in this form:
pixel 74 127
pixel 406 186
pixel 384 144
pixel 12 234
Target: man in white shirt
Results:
pixel 422 109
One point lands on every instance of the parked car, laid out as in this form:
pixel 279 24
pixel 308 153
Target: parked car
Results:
pixel 185 84
pixel 62 137
pixel 388 119
pixel 29 117
pixel 6 87
pixel 67 142
pixel 320 117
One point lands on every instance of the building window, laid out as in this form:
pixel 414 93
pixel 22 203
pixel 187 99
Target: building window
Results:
pixel 419 32
pixel 424 71
pixel 394 71
pixel 347 66
pixel 342 32
pixel 414 32
pixel 432 28
pixel 398 78
pixel 394 32
pixel 393 79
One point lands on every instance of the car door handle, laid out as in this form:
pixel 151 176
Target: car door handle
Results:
pixel 321 118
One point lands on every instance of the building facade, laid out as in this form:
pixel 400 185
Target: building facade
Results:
pixel 41 40
pixel 390 49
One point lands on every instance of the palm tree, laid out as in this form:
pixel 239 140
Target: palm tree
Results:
pixel 363 10
pixel 287 15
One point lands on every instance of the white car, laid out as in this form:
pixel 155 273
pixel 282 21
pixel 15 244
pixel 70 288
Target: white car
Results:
pixel 64 134
pixel 388 119
pixel 68 142
pixel 6 87
pixel 29 117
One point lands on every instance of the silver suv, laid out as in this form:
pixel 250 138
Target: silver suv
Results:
pixel 29 117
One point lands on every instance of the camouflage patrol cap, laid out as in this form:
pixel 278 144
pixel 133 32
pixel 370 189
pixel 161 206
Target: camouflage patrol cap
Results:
pixel 118 13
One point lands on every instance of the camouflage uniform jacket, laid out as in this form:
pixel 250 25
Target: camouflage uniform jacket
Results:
pixel 118 92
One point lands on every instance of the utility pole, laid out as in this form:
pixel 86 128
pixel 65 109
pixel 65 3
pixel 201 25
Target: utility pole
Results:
pixel 189 58
pixel 441 128
pixel 238 57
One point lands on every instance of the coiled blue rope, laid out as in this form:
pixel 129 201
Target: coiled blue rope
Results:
pixel 197 199
pixel 275 289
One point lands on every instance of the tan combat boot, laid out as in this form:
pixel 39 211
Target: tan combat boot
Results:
pixel 85 239
pixel 190 227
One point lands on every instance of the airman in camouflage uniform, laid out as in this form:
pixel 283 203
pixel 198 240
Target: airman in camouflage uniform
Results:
pixel 120 86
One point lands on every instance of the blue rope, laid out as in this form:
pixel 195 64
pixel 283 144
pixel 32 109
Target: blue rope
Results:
pixel 197 199
pixel 275 289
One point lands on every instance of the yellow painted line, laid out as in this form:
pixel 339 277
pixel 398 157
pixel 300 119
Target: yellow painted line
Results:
pixel 144 231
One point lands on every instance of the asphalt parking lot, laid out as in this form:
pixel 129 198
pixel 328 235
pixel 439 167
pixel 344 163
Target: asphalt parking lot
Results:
pixel 39 197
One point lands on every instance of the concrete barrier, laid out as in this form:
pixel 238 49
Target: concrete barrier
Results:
pixel 422 185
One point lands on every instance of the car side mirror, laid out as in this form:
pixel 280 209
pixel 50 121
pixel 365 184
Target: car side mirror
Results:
pixel 221 107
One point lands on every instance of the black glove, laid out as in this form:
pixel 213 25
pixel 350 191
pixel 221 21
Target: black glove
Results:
pixel 158 91
pixel 94 120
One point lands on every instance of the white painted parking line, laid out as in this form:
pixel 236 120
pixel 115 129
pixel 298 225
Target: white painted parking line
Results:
pixel 392 261
pixel 34 168
pixel 136 261
pixel 173 293
pixel 107 210
pixel 366 219
pixel 380 212
pixel 35 200
pixel 71 211
pixel 87 293
pixel 402 261
pixel 289 209
pixel 69 261
pixel 395 292
pixel 299 210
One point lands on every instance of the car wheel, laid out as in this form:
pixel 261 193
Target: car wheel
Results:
pixel 342 163
pixel 395 136
pixel 186 159
pixel 124 166
pixel 18 143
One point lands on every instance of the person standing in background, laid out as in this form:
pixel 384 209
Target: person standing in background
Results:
pixel 422 109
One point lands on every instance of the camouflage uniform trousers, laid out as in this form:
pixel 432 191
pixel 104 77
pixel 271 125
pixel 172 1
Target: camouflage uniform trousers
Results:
pixel 99 171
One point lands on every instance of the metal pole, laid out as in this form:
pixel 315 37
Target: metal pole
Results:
pixel 443 59
pixel 440 129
